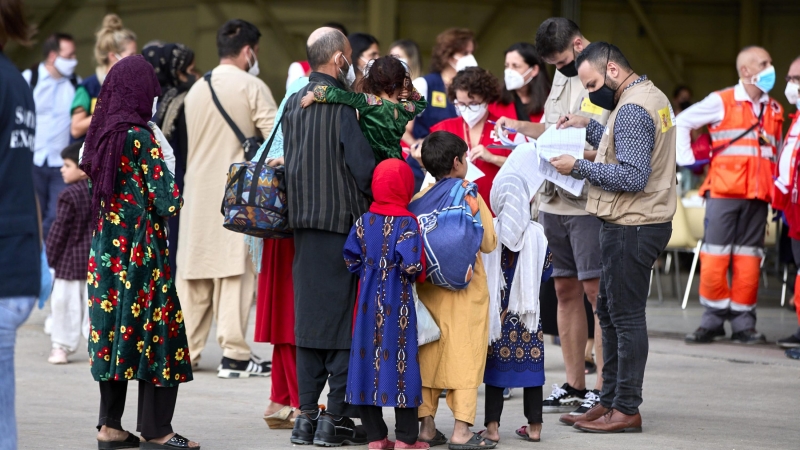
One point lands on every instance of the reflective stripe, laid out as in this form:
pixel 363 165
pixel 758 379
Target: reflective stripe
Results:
pixel 716 250
pixel 747 250
pixel 731 133
pixel 740 307
pixel 746 150
pixel 723 303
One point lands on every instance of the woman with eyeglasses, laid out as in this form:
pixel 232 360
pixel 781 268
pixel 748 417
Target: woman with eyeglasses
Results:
pixel 472 91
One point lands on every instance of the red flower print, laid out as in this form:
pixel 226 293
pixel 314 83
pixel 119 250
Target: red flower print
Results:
pixel 173 329
pixel 153 139
pixel 113 296
pixel 157 172
pixel 123 244
pixel 137 255
pixel 136 128
pixel 125 164
pixel 183 377
pixel 116 264
pixel 175 191
pixel 137 179
pixel 92 264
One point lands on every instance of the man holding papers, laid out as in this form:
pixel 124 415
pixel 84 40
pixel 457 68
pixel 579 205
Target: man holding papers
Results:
pixel 633 191
pixel 571 232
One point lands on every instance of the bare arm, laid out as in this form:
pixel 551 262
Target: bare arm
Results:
pixel 80 123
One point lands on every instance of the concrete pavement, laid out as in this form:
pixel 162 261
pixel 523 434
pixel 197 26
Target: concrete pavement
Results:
pixel 720 396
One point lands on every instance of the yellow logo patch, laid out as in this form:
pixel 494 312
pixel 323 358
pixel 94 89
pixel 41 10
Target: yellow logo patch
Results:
pixel 91 108
pixel 438 99
pixel 667 118
pixel 589 107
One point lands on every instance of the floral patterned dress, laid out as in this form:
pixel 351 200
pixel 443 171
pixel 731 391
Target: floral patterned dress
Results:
pixel 137 328
pixel 516 360
pixel 384 368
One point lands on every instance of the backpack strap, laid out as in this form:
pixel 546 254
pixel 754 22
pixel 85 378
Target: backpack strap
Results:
pixel 34 75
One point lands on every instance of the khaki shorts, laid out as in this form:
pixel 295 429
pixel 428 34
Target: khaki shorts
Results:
pixel 575 244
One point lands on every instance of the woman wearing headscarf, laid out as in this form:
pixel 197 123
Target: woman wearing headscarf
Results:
pixel 137 327
pixel 176 73
pixel 514 271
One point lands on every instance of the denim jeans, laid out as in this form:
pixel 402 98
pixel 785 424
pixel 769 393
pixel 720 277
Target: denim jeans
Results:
pixel 48 183
pixel 13 312
pixel 628 253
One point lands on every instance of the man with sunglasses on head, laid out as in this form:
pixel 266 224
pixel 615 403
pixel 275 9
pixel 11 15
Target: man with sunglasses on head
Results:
pixel 745 126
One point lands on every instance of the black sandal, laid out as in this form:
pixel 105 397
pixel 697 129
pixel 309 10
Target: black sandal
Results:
pixel 176 441
pixel 438 439
pixel 476 442
pixel 523 433
pixel 132 441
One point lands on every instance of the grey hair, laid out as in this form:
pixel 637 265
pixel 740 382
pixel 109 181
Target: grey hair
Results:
pixel 321 51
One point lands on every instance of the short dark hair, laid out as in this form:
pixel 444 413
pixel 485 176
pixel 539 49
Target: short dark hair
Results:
pixel 386 75
pixel 72 152
pixel 360 42
pixel 439 150
pixel 338 26
pixel 679 88
pixel 53 43
pixel 234 35
pixel 321 51
pixel 475 81
pixel 555 35
pixel 599 54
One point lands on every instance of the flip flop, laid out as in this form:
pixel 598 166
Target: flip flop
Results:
pixel 132 441
pixel 281 420
pixel 484 431
pixel 523 433
pixel 476 442
pixel 438 439
pixel 174 442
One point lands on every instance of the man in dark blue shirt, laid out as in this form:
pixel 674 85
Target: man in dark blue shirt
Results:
pixel 19 228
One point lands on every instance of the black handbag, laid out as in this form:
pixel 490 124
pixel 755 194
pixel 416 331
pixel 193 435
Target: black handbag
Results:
pixel 251 144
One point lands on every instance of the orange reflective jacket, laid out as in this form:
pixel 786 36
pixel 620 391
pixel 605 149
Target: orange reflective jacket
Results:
pixel 744 168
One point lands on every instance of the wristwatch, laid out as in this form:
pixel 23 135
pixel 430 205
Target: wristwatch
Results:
pixel 575 174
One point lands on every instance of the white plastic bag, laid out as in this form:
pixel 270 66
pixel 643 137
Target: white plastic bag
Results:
pixel 427 330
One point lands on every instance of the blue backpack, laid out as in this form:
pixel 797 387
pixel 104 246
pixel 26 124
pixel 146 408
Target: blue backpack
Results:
pixel 451 231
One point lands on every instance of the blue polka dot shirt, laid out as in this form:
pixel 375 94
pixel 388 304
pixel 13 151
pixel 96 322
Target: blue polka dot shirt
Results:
pixel 634 139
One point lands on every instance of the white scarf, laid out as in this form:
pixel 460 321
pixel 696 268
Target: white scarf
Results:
pixel 515 229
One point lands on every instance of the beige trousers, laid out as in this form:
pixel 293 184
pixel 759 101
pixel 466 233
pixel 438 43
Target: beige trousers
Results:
pixel 228 300
pixel 462 402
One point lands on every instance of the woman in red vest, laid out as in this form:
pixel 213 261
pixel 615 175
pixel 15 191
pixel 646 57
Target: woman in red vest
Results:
pixel 527 85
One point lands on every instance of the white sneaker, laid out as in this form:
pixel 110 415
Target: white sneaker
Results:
pixel 58 356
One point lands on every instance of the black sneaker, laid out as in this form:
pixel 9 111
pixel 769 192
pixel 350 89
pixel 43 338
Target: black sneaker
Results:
pixel 704 336
pixel 563 399
pixel 305 425
pixel 790 342
pixel 592 398
pixel 254 367
pixel 749 337
pixel 334 431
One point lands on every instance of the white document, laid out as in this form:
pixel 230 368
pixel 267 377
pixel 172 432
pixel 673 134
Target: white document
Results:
pixel 566 182
pixel 473 173
pixel 566 141
pixel 524 161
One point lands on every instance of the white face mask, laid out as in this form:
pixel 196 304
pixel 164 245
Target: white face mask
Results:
pixel 155 106
pixel 473 117
pixel 253 70
pixel 351 74
pixel 792 92
pixel 64 66
pixel 464 62
pixel 515 80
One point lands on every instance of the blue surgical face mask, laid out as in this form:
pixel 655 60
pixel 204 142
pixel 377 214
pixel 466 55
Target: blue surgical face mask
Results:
pixel 765 80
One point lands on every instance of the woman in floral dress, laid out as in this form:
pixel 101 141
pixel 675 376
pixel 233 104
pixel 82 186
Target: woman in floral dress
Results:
pixel 137 328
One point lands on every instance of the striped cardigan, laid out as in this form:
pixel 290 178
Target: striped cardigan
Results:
pixel 329 163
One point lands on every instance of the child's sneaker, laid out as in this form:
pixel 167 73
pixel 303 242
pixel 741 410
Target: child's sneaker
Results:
pixel 58 356
pixel 383 444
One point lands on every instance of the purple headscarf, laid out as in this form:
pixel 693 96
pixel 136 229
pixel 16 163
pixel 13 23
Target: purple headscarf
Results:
pixel 125 101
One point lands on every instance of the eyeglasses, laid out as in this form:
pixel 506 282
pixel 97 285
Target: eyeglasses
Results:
pixel 793 78
pixel 463 107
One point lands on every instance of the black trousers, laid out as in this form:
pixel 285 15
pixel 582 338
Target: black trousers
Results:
pixel 531 404
pixel 406 427
pixel 317 366
pixel 156 407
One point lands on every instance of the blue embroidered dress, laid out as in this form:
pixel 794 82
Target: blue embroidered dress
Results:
pixel 516 360
pixel 384 368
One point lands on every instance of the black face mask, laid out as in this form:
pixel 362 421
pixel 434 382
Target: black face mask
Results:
pixel 570 69
pixel 184 86
pixel 684 105
pixel 603 97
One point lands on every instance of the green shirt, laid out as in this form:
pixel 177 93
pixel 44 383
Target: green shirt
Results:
pixel 382 122
pixel 82 99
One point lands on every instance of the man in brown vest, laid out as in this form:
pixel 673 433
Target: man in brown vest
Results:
pixel 633 192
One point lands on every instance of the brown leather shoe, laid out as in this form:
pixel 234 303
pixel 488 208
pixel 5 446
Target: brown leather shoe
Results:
pixel 613 422
pixel 595 413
